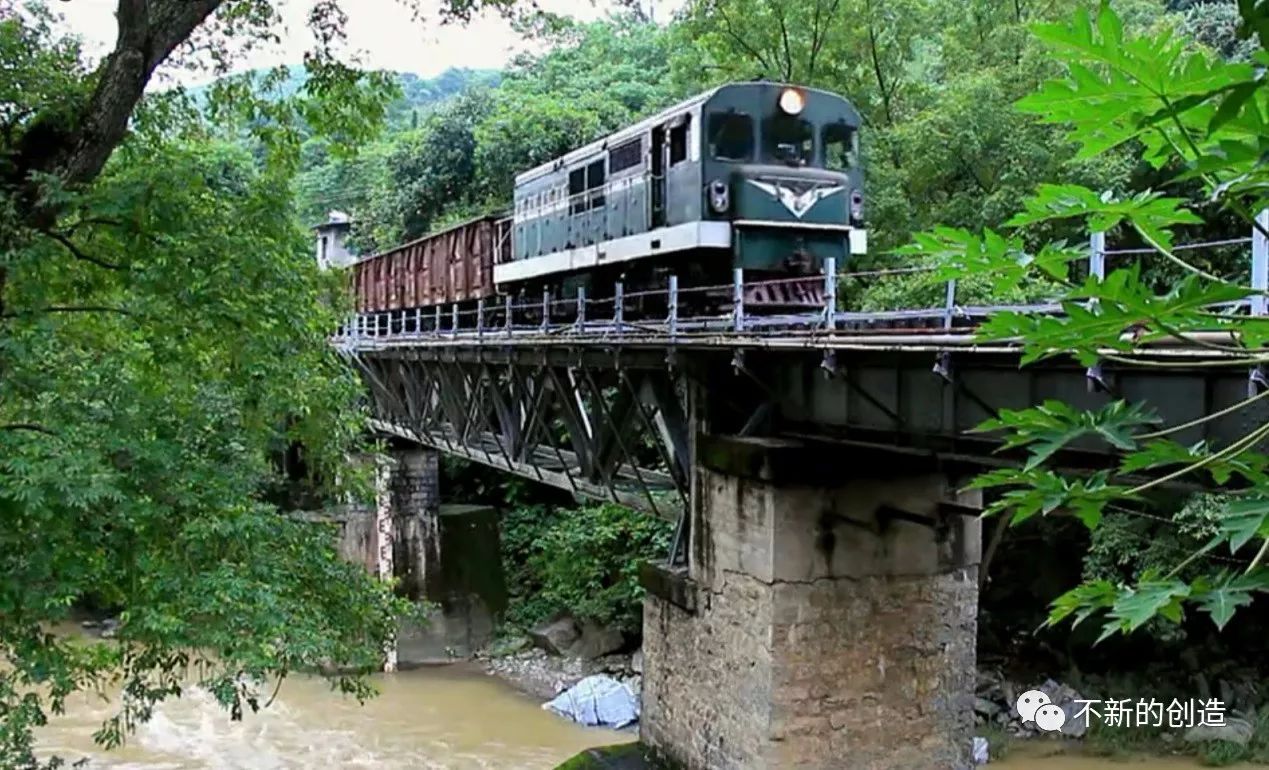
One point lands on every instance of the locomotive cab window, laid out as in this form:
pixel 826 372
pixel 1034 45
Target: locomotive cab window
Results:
pixel 678 143
pixel 577 190
pixel 731 136
pixel 788 139
pixel 841 147
pixel 595 182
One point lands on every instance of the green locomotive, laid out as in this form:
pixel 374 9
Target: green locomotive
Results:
pixel 761 176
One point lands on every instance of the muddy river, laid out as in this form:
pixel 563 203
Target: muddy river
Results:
pixel 444 718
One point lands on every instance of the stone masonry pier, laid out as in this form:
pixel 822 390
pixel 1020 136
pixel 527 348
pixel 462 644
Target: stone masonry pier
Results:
pixel 445 555
pixel 827 618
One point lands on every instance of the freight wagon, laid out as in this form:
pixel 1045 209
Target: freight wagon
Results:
pixel 454 265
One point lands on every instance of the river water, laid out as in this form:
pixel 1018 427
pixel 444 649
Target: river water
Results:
pixel 442 718
pixel 450 718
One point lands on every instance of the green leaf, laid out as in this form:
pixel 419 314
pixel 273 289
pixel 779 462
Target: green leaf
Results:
pixel 1244 519
pixel 1083 601
pixel 1151 597
pixel 1048 428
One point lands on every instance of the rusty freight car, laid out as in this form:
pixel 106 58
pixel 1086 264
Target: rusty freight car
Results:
pixel 454 265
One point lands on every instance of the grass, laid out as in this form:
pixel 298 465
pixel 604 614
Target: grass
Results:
pixel 1127 742
pixel 1224 753
pixel 999 741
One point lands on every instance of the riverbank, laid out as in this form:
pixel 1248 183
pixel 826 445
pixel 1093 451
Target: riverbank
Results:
pixel 542 675
pixel 1012 745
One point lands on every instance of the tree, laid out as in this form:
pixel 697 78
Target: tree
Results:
pixel 163 337
pixel 1200 122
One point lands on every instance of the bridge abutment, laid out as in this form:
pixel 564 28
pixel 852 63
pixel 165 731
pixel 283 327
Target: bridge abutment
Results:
pixel 827 618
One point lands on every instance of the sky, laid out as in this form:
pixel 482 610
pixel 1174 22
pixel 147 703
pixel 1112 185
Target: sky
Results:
pixel 383 32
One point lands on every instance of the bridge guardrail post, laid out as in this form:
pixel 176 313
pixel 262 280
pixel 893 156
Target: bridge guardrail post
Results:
pixel 418 320
pixel 509 309
pixel 1097 255
pixel 581 308
pixel 1096 260
pixel 738 299
pixel 672 319
pixel 949 304
pixel 436 324
pixel 618 304
pixel 1260 265
pixel 453 320
pixel 546 309
pixel 830 293
pixel 480 319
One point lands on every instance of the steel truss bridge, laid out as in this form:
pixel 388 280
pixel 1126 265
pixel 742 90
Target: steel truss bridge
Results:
pixel 588 397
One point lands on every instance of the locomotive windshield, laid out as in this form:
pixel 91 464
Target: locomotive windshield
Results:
pixel 731 136
pixel 788 139
pixel 840 147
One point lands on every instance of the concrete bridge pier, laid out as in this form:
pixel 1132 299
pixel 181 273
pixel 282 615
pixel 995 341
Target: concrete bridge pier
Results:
pixel 447 555
pixel 411 495
pixel 827 617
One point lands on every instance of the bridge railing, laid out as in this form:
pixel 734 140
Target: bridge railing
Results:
pixel 677 312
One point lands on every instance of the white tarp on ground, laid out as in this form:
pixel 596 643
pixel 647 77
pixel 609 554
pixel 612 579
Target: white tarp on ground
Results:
pixel 597 701
pixel 980 751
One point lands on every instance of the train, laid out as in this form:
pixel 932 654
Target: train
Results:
pixel 761 176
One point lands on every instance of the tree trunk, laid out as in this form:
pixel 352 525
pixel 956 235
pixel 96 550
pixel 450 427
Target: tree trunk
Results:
pixel 74 142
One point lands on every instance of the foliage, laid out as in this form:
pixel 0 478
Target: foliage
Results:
pixel 362 182
pixel 581 560
pixel 934 80
pixel 1199 121
pixel 163 338
pixel 1215 25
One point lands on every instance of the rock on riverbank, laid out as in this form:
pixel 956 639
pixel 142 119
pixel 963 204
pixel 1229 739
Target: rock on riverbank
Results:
pixel 544 676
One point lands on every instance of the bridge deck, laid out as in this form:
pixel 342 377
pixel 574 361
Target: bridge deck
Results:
pixel 583 395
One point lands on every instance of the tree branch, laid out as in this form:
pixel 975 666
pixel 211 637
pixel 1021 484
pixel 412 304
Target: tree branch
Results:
pixel 73 143
pixel 876 67
pixel 28 426
pixel 960 158
pixel 67 309
pixel 739 40
pixel 820 34
pixel 784 37
pixel 79 254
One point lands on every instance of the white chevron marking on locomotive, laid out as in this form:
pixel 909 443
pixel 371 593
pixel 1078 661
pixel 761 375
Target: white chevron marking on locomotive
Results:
pixel 796 204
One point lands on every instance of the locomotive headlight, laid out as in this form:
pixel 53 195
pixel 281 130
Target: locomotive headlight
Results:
pixel 792 101
pixel 719 196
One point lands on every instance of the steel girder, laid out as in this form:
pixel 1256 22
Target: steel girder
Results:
pixel 597 430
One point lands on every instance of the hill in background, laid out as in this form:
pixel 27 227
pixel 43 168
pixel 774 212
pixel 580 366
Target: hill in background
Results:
pixel 418 93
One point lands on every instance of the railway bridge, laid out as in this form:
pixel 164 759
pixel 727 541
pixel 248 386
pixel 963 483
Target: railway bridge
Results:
pixel 819 605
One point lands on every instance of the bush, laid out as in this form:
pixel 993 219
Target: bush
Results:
pixel 584 561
